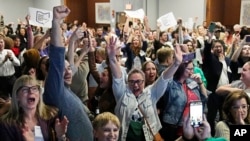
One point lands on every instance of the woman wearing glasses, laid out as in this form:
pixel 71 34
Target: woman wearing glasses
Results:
pixel 28 118
pixel 235 112
pixel 135 104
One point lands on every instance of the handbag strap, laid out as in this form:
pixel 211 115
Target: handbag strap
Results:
pixel 144 116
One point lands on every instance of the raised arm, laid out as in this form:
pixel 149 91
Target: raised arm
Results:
pixel 114 64
pixel 29 33
pixel 77 34
pixel 237 52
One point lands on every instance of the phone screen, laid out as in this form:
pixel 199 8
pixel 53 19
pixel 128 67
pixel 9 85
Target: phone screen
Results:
pixel 196 113
pixel 211 27
pixel 247 38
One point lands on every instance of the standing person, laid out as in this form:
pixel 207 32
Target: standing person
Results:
pixel 8 61
pixel 28 115
pixel 57 91
pixel 136 105
pixel 184 88
pixel 217 72
pixel 235 112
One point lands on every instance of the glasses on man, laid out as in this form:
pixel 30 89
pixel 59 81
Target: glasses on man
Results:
pixel 133 82
pixel 243 107
pixel 26 89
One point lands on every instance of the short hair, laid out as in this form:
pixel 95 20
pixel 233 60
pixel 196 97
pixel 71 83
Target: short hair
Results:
pixel 230 100
pixel 103 119
pixel 135 70
pixel 163 53
pixel 102 52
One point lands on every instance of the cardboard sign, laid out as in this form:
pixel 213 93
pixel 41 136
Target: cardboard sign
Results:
pixel 40 17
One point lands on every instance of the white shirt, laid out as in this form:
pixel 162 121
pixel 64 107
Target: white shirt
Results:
pixel 7 67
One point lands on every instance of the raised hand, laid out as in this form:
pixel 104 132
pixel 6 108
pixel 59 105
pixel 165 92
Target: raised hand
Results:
pixel 178 54
pixel 61 127
pixel 77 34
pixel 60 12
pixel 188 130
pixel 111 46
pixel 203 132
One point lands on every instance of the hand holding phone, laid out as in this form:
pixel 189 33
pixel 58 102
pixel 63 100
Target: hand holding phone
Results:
pixel 196 113
pixel 211 27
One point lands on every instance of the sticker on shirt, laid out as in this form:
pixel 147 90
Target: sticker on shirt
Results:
pixel 239 70
pixel 192 85
pixel 142 53
pixel 38 134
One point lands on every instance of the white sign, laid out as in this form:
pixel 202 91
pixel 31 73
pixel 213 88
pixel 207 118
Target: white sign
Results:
pixel 40 17
pixel 139 14
pixel 166 21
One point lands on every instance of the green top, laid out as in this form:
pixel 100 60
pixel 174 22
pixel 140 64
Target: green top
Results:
pixel 197 70
pixel 215 139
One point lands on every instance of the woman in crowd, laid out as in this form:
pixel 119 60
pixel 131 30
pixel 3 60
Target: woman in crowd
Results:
pixel 239 58
pixel 184 88
pixel 150 70
pixel 28 115
pixel 235 112
pixel 135 49
pixel 106 127
pixel 136 105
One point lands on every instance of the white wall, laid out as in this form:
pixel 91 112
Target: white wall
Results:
pixel 14 9
pixel 18 9
pixel 184 9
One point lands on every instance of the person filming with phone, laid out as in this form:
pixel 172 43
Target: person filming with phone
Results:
pixel 184 88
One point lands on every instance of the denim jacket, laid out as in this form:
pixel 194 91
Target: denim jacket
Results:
pixel 176 100
pixel 126 103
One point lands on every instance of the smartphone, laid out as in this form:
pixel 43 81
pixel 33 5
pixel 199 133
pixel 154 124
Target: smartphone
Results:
pixel 196 113
pixel 211 27
pixel 247 39
pixel 188 57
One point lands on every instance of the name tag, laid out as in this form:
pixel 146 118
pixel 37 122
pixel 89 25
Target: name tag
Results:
pixel 38 134
pixel 192 85
pixel 239 70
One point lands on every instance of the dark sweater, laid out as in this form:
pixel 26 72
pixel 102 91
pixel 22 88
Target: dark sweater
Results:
pixel 60 96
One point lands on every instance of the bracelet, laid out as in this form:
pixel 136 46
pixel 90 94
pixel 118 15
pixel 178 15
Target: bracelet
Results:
pixel 200 83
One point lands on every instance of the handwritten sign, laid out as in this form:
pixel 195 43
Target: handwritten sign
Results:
pixel 40 17
pixel 166 21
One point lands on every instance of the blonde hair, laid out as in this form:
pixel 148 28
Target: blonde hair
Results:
pixel 15 113
pixel 103 119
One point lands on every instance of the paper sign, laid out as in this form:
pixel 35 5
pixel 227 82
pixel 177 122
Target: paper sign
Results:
pixel 168 20
pixel 40 17
pixel 139 14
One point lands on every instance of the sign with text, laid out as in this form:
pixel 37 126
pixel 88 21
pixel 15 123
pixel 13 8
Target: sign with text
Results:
pixel 166 21
pixel 40 17
pixel 139 14
pixel 239 132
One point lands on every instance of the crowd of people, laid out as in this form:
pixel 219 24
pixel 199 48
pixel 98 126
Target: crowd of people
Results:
pixel 78 83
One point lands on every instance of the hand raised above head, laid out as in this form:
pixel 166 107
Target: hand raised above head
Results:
pixel 111 47
pixel 60 12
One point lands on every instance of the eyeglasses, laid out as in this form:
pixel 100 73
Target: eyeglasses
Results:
pixel 26 90
pixel 190 69
pixel 133 82
pixel 243 107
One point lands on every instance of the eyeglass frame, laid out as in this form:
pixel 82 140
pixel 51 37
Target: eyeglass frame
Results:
pixel 29 89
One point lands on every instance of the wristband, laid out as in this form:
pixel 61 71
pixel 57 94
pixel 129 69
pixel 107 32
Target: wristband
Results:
pixel 200 83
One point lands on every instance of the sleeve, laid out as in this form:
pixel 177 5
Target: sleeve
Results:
pixel 222 130
pixel 55 78
pixel 119 87
pixel 92 67
pixel 158 88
